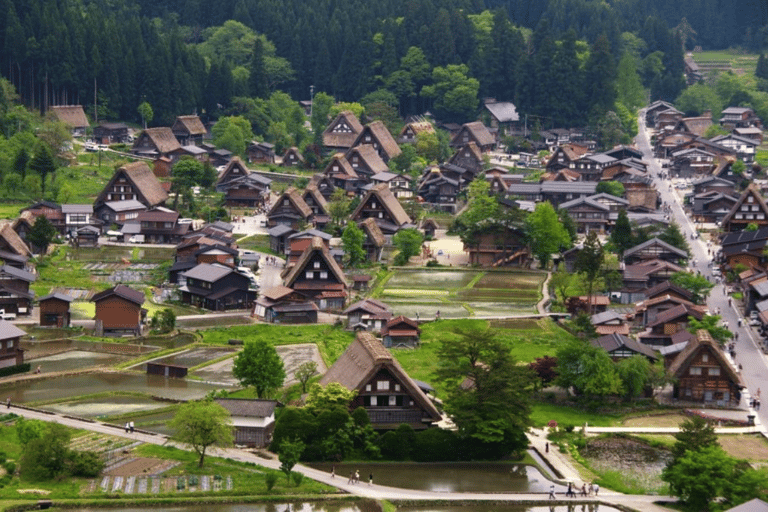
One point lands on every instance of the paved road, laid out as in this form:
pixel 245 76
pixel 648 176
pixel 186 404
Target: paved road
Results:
pixel 643 503
pixel 748 353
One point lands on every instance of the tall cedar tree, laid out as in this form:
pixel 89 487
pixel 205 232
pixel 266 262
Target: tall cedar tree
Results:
pixel 42 162
pixel 257 79
pixel 621 235
pixel 601 70
pixel 589 262
pixel 492 412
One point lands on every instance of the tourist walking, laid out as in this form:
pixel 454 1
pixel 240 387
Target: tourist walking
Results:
pixel 333 471
pixel 370 479
pixel 552 492
pixel 357 476
pixel 8 403
pixel 351 477
pixel 132 427
pixel 127 427
pixel 597 489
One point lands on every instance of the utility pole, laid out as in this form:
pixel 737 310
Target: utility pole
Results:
pixel 311 100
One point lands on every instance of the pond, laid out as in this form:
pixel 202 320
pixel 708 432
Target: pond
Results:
pixel 36 349
pixel 358 506
pixel 325 506
pixel 77 385
pixel 75 360
pixel 450 477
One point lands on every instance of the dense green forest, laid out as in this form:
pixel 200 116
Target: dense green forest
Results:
pixel 557 59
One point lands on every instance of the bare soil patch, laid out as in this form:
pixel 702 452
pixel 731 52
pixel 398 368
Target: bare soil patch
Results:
pixel 747 447
pixel 661 421
pixel 141 466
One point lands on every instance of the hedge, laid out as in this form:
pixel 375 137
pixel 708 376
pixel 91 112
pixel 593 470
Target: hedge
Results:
pixel 13 370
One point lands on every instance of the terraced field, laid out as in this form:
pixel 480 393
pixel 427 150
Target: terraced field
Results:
pixel 461 293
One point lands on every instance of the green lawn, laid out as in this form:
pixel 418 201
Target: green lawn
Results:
pixel 10 210
pixel 330 340
pixel 527 339
pixel 543 413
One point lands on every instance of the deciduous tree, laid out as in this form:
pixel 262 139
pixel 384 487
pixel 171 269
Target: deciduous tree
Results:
pixel 202 425
pixel 589 262
pixel 304 372
pixel 259 366
pixel 546 233
pixel 699 286
pixel 352 239
pixel 408 242
pixel 587 369
pixel 42 233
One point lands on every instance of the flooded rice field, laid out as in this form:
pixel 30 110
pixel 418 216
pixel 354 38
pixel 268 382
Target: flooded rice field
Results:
pixel 75 360
pixel 190 358
pixel 107 406
pixel 449 477
pixel 77 385
pixel 37 349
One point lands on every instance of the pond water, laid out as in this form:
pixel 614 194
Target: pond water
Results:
pixel 108 406
pixel 359 506
pixel 77 385
pixel 346 506
pixel 75 360
pixel 450 477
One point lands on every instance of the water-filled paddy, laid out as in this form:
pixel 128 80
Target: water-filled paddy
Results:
pixel 107 406
pixel 359 506
pixel 450 477
pixel 78 385
pixel 190 358
pixel 75 360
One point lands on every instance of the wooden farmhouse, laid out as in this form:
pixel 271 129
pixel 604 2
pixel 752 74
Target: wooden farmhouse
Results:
pixel 119 311
pixel 500 246
pixel 54 310
pixel 340 134
pixel 318 277
pixel 469 157
pixel 11 353
pixel 189 130
pixel 745 248
pixel 620 346
pixel 261 152
pixel 474 132
pixel 282 305
pixel 289 210
pixel 132 181
pixel 401 331
pixel 10 242
pixel 410 131
pixel 216 287
pixel 654 249
pixel 367 315
pixel 155 142
pixel 247 191
pixel 293 158
pixel 703 374
pixel 749 209
pixel 389 395
pixel 253 420
pixel 341 174
pixel 384 208
pixel 111 133
pixel 366 162
pixel 374 241
pixel 377 135
pixel 15 295
pixel 73 116
pixel 668 323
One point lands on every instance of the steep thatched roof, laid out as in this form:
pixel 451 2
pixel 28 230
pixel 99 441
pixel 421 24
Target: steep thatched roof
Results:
pixel 363 359
pixel 191 124
pixel 378 132
pixel 314 192
pixel 162 138
pixel 374 233
pixel 369 157
pixel 317 246
pixel 703 341
pixel 296 200
pixel 149 190
pixel 342 131
pixel 71 115
pixel 388 200
pixel 11 242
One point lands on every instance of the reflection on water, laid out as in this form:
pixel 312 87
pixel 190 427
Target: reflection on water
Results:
pixel 77 385
pixel 108 406
pixel 325 506
pixel 75 360
pixel 360 506
pixel 451 477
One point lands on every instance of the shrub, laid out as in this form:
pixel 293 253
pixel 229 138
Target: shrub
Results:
pixel 297 478
pixel 86 464
pixel 10 467
pixel 13 370
pixel 434 445
pixel 270 479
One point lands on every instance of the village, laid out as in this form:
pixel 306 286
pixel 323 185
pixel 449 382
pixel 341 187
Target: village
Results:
pixel 356 272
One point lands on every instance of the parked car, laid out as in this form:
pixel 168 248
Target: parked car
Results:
pixel 7 316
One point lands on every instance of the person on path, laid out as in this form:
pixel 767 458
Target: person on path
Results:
pixel 591 488
pixel 8 403
pixel 333 471
pixel 351 477
pixel 552 492
pixel 357 476
pixel 127 427
pixel 132 428
pixel 597 489
pixel 584 489
pixel 569 492
pixel 370 479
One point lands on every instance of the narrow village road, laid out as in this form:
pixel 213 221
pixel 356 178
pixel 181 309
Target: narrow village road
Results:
pixel 644 503
pixel 748 353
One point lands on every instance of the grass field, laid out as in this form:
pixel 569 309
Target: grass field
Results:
pixel 460 293
pixel 527 340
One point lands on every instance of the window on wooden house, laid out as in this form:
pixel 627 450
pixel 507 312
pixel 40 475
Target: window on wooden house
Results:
pixel 382 385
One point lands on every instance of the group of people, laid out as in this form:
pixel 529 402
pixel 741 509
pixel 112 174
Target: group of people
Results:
pixel 586 490
pixel 354 476
pixel 129 427
pixel 270 260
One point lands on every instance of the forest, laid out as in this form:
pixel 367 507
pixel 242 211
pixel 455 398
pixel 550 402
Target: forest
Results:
pixel 557 60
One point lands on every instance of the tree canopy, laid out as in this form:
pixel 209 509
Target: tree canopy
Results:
pixel 258 366
pixel 202 425
pixel 546 233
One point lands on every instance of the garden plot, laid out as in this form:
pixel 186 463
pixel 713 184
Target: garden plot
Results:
pixel 120 272
pixel 461 294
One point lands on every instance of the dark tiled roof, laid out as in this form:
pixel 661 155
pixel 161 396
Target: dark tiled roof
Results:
pixel 208 272
pixel 253 408
pixel 8 330
pixel 58 296
pixel 122 291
